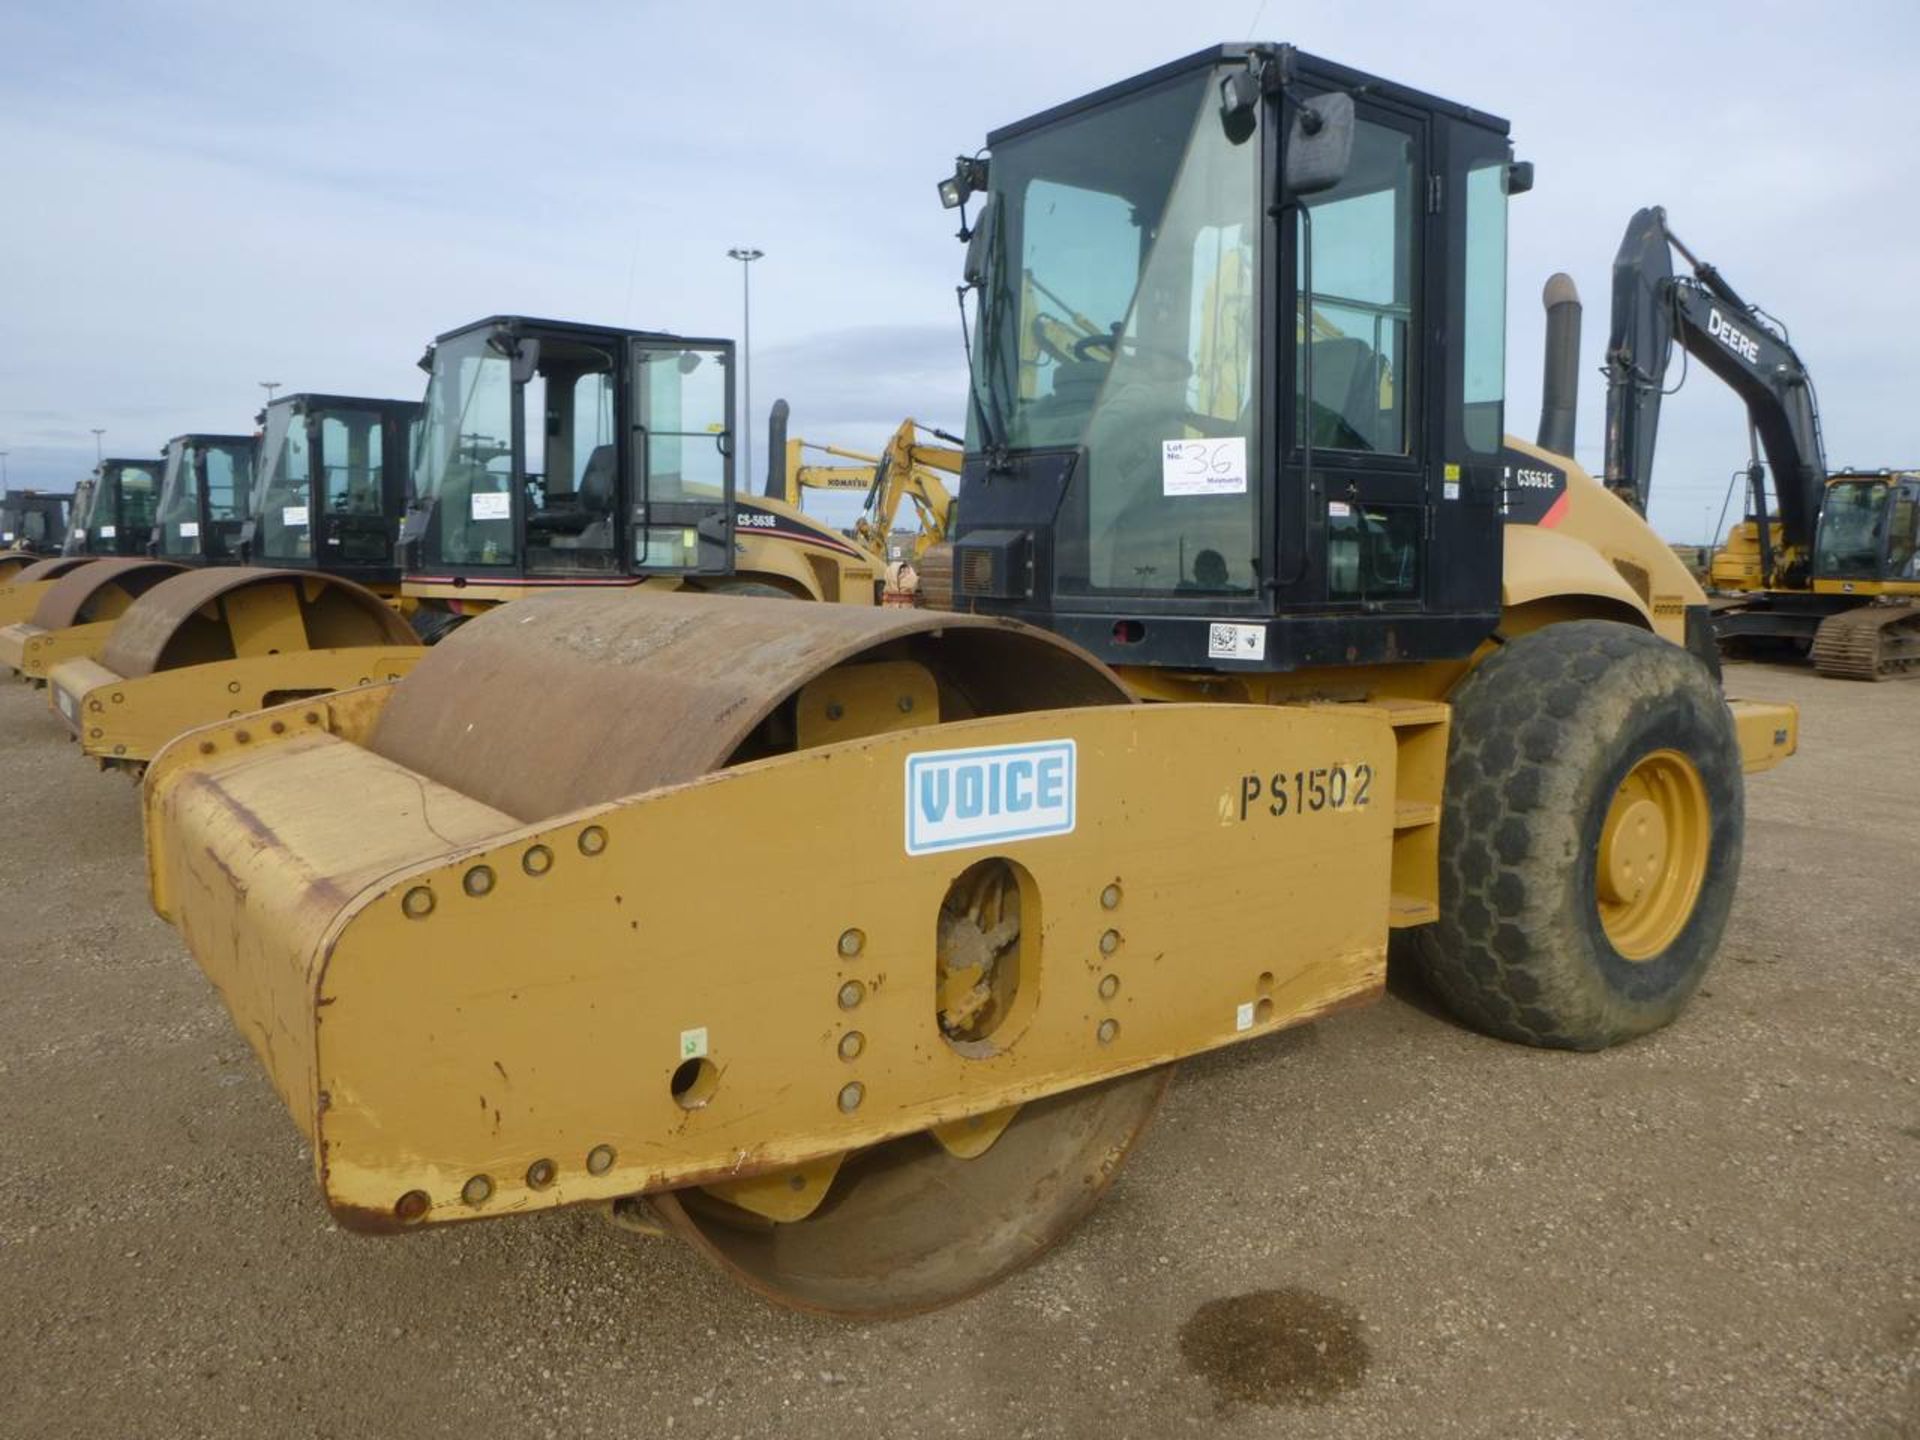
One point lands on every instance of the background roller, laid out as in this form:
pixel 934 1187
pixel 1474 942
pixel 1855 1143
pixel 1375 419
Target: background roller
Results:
pixel 203 616
pixel 99 590
pixel 74 613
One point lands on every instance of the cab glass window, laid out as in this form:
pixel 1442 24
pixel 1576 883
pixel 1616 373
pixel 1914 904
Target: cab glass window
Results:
pixel 284 524
pixel 1355 247
pixel 1119 320
pixel 1484 319
pixel 465 464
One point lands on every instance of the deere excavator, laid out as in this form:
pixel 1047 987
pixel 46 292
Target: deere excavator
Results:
pixel 304 600
pixel 1263 643
pixel 559 455
pixel 1831 565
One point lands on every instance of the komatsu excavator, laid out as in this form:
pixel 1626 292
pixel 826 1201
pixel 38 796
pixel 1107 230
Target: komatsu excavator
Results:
pixel 1263 644
pixel 907 471
pixel 1832 565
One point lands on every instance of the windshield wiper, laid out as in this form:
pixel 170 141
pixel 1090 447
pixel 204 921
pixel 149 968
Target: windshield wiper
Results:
pixel 993 432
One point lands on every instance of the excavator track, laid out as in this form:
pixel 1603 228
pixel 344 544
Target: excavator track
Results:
pixel 1874 642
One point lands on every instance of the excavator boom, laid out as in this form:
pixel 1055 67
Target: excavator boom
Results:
pixel 1652 308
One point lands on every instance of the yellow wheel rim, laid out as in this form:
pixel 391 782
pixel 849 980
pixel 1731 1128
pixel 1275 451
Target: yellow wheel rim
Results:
pixel 1653 854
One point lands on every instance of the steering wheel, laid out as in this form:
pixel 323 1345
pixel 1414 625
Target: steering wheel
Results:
pixel 1082 348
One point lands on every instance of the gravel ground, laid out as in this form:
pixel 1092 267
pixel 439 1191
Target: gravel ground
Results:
pixel 1378 1225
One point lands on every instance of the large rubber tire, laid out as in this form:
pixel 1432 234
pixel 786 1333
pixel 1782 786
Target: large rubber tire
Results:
pixel 1544 733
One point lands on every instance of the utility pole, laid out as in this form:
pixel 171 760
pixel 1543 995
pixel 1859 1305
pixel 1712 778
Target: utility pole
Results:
pixel 746 255
pixel 98 455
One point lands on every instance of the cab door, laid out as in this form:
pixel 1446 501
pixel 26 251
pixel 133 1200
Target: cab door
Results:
pixel 1358 369
pixel 680 459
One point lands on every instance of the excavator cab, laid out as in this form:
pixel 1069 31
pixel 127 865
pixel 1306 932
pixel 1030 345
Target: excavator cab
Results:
pixel 1156 468
pixel 113 511
pixel 205 497
pixel 33 522
pixel 333 484
pixel 1869 534
pixel 555 452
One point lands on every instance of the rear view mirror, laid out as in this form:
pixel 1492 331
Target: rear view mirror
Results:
pixel 1319 144
pixel 522 354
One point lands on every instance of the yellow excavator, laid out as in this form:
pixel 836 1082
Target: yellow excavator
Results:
pixel 1250 660
pixel 908 471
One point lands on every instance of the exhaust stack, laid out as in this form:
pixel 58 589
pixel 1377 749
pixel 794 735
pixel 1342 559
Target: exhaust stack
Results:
pixel 1560 385
pixel 777 451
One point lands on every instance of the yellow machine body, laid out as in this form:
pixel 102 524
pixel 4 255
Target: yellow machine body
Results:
pixel 544 921
pixel 33 652
pixel 528 1030
pixel 494 1070
pixel 20 591
pixel 1737 565
pixel 217 642
pixel 775 544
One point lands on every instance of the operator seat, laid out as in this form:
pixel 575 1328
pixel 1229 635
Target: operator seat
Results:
pixel 594 500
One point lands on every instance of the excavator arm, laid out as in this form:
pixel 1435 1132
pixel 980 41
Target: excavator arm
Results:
pixel 907 470
pixel 1745 348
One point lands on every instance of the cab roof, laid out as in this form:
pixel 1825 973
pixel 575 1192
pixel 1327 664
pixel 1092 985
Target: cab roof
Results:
pixel 1297 62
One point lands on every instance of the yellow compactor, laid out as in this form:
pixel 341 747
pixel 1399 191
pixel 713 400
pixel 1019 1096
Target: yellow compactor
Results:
pixel 73 615
pixel 561 455
pixel 22 585
pixel 1230 689
pixel 219 641
pixel 328 488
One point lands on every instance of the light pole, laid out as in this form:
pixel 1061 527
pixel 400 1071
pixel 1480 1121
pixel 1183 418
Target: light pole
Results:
pixel 97 454
pixel 269 386
pixel 746 255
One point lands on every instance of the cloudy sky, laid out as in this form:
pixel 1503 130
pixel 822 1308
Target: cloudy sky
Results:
pixel 195 197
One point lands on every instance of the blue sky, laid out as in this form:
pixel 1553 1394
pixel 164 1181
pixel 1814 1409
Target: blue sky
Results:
pixel 201 196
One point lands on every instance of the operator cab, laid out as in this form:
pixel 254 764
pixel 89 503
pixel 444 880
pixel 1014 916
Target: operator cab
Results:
pixel 1869 529
pixel 1238 367
pixel 33 521
pixel 113 509
pixel 204 499
pixel 334 481
pixel 557 451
